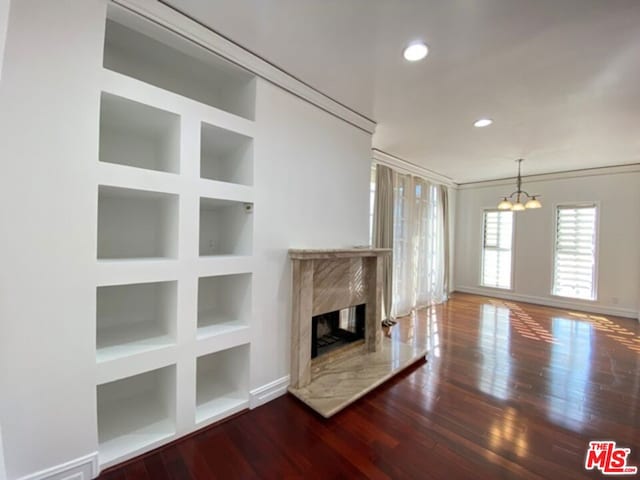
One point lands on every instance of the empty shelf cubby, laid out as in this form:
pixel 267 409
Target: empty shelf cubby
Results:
pixel 225 156
pixel 167 61
pixel 224 303
pixel 222 382
pixel 226 227
pixel 138 135
pixel 136 412
pixel 136 224
pixel 135 318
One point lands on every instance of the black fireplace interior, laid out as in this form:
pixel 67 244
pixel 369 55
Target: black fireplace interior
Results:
pixel 336 329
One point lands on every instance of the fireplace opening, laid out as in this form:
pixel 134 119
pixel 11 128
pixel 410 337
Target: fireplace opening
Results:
pixel 336 329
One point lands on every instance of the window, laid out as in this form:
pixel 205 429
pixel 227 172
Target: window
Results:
pixel 496 248
pixel 575 252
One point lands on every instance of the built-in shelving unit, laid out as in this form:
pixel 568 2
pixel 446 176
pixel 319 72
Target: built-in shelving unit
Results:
pixel 135 318
pixel 224 303
pixel 222 383
pixel 226 156
pixel 138 135
pixel 135 413
pixel 136 223
pixel 225 227
pixel 174 273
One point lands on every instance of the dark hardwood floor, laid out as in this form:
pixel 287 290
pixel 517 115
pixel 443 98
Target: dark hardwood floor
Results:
pixel 509 390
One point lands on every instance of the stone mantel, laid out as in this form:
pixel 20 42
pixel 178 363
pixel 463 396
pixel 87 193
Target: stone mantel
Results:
pixel 329 253
pixel 326 280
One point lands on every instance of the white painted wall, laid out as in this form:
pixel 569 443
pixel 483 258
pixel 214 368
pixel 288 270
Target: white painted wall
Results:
pixel 619 230
pixel 311 190
pixel 48 146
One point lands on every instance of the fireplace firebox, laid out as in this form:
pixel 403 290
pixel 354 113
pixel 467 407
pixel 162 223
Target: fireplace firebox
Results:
pixel 333 330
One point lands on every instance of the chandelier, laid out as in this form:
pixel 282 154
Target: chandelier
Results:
pixel 522 199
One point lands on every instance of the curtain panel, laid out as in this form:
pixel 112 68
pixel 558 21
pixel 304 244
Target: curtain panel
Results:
pixel 419 245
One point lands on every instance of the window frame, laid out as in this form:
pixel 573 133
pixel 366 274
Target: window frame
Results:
pixel 596 249
pixel 482 251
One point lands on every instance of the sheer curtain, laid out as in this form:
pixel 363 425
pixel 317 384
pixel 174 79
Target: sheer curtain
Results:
pixel 418 245
pixel 403 228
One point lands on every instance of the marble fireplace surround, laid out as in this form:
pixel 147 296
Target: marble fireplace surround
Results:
pixel 328 280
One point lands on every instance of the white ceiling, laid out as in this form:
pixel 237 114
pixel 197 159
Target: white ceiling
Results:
pixel 561 78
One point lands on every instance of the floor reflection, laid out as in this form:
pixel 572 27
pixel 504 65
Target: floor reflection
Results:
pixel 509 432
pixel 423 328
pixel 524 323
pixel 570 369
pixel 494 344
pixel 612 330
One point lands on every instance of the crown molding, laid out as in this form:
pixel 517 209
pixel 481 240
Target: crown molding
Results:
pixel 404 166
pixel 171 19
pixel 545 177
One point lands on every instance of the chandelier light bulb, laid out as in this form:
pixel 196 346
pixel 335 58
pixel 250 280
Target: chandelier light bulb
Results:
pixel 505 204
pixel 533 203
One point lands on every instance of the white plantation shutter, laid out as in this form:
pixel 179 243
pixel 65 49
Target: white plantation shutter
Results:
pixel 575 252
pixel 496 248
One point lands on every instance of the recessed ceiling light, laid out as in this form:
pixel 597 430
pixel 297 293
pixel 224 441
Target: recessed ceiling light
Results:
pixel 483 122
pixel 416 51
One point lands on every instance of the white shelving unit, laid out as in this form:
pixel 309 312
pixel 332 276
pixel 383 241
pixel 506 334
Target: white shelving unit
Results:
pixel 226 156
pixel 224 303
pixel 174 273
pixel 136 413
pixel 225 227
pixel 138 135
pixel 135 318
pixel 136 223
pixel 222 383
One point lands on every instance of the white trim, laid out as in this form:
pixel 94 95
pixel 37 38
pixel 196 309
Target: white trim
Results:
pixel 587 306
pixel 545 177
pixel 270 391
pixel 187 28
pixel 404 166
pixel 77 469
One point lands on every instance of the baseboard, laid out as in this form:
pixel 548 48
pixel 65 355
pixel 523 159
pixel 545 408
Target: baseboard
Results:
pixel 270 391
pixel 550 302
pixel 83 468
